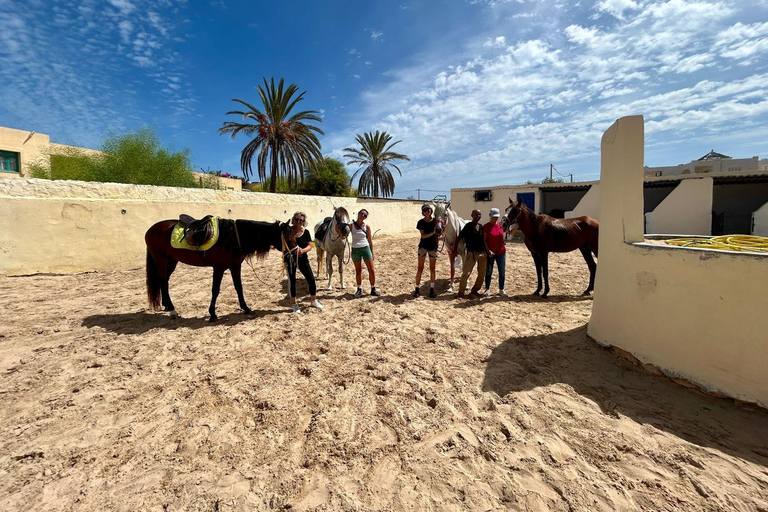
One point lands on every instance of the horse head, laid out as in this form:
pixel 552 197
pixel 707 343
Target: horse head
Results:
pixel 512 213
pixel 341 219
pixel 287 235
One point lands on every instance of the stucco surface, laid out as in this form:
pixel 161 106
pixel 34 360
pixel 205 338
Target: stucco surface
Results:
pixel 694 314
pixel 686 210
pixel 60 227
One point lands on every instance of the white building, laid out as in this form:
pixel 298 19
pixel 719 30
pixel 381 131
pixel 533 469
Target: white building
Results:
pixel 711 196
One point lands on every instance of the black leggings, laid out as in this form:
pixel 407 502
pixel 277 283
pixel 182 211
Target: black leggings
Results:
pixel 306 269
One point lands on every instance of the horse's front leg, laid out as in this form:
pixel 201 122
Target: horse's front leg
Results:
pixel 545 272
pixel 236 279
pixel 329 270
pixel 218 273
pixel 451 256
pixel 537 262
pixel 340 257
pixel 319 258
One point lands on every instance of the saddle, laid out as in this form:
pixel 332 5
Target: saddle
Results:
pixel 193 234
pixel 323 229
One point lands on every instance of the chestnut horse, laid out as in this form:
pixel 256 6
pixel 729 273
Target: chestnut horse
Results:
pixel 544 234
pixel 238 240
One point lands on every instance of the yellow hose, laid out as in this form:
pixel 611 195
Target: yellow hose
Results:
pixel 749 243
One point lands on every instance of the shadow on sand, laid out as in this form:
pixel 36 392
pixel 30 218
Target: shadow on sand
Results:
pixel 617 386
pixel 141 322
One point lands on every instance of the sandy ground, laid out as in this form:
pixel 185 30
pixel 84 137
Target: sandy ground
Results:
pixel 372 404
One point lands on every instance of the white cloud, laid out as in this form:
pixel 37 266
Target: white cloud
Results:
pixel 496 42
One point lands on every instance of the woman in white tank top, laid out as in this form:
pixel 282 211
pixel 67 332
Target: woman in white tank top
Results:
pixel 362 250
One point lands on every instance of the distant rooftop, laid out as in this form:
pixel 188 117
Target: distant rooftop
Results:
pixel 712 156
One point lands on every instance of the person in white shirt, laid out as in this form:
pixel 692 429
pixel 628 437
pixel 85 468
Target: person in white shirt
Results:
pixel 362 251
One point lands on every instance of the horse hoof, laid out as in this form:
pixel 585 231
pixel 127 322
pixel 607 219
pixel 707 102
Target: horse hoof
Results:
pixel 213 318
pixel 587 293
pixel 173 314
pixel 248 311
pixel 536 293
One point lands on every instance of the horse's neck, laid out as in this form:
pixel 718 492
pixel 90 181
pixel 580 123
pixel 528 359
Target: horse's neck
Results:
pixel 527 221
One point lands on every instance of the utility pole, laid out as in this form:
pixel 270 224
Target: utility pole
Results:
pixel 550 171
pixel 571 175
pixel 418 194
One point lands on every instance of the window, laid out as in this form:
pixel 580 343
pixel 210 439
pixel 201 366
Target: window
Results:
pixel 483 195
pixel 9 162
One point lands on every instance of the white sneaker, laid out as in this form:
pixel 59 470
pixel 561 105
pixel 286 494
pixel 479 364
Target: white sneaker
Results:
pixel 487 293
pixel 502 293
pixel 317 304
pixel 296 308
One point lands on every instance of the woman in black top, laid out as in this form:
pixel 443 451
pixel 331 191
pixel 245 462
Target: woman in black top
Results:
pixel 427 246
pixel 298 258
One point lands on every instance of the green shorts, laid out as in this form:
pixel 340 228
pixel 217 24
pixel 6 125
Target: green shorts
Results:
pixel 361 253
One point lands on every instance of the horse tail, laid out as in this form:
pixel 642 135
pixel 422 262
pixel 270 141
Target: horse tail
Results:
pixel 153 282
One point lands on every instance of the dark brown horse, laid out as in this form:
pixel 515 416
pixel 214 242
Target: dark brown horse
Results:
pixel 238 240
pixel 544 234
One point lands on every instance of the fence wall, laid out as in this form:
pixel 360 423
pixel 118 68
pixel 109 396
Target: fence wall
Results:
pixel 695 314
pixel 70 226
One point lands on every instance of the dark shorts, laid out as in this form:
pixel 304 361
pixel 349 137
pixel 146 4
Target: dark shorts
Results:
pixel 423 253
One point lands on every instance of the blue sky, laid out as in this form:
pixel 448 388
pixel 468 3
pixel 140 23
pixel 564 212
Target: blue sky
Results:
pixel 481 92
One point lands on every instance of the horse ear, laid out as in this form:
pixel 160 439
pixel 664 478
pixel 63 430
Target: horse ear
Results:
pixel 510 200
pixel 519 202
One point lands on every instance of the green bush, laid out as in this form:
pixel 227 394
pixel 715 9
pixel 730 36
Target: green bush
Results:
pixel 137 158
pixel 327 177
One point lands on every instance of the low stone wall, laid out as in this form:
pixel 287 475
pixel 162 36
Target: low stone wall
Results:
pixel 72 226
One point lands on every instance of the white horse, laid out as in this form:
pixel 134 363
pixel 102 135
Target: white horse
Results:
pixel 453 224
pixel 332 240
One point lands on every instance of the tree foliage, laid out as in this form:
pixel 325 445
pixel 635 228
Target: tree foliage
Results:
pixel 282 142
pixel 327 177
pixel 138 158
pixel 374 158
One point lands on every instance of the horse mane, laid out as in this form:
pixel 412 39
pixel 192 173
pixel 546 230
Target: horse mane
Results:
pixel 256 237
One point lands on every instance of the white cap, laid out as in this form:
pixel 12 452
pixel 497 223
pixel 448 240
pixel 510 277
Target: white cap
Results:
pixel 495 212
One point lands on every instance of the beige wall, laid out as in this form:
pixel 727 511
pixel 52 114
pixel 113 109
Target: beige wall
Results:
pixel 760 221
pixel 71 226
pixel 687 210
pixel 695 314
pixel 32 148
pixel 463 199
pixel 588 206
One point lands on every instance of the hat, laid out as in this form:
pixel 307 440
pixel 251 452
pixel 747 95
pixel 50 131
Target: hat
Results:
pixel 425 206
pixel 495 213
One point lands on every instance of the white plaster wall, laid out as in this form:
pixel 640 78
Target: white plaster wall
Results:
pixel 588 206
pixel 695 314
pixel 760 221
pixel 69 226
pixel 463 202
pixel 687 210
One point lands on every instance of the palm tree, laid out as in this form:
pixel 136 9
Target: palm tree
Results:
pixel 374 159
pixel 285 140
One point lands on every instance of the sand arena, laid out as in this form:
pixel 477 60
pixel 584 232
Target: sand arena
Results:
pixel 371 404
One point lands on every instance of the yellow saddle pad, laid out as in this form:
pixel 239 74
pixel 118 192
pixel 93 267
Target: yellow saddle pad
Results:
pixel 178 233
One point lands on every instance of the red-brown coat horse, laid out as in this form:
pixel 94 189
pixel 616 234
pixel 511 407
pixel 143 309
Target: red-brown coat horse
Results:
pixel 238 240
pixel 544 234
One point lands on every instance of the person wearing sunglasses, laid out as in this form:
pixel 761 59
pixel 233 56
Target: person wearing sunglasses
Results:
pixel 427 246
pixel 362 250
pixel 299 259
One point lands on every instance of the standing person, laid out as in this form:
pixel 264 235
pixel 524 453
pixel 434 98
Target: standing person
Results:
pixel 427 246
pixel 493 235
pixel 473 236
pixel 362 250
pixel 298 258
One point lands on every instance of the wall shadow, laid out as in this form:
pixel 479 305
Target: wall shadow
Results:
pixel 617 386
